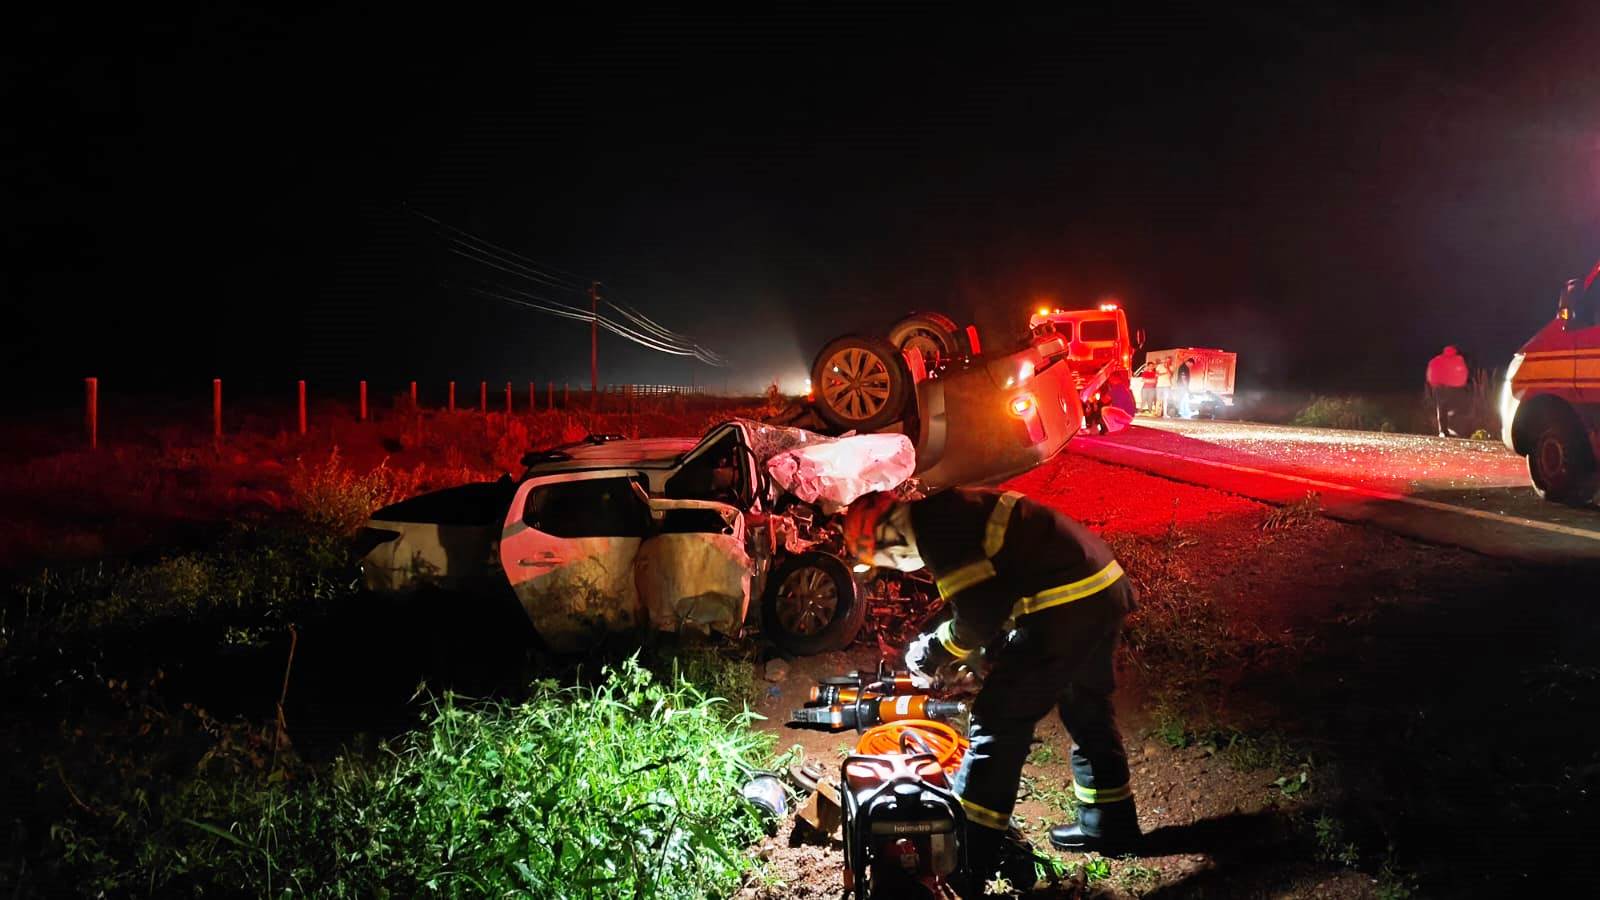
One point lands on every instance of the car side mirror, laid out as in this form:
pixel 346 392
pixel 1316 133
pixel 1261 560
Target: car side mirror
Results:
pixel 1564 301
pixel 1138 339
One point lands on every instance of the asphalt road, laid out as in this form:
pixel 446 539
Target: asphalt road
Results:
pixel 1471 494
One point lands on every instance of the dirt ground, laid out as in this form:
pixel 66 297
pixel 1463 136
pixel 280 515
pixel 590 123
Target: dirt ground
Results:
pixel 1312 709
pixel 1389 719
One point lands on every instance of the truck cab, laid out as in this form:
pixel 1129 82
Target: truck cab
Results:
pixel 1550 402
pixel 1091 338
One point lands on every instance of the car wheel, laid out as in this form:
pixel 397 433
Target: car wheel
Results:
pixel 936 336
pixel 1560 465
pixel 812 605
pixel 860 383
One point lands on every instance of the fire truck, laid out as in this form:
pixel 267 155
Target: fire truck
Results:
pixel 1550 402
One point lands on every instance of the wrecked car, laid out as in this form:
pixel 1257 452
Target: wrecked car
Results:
pixel 975 417
pixel 609 535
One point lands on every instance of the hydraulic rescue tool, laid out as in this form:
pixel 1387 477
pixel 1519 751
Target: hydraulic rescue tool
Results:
pixel 855 701
pixel 904 828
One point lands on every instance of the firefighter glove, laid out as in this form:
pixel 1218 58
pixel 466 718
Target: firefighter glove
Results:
pixel 925 657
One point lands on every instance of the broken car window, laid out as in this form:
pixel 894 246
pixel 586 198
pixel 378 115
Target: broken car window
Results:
pixel 595 507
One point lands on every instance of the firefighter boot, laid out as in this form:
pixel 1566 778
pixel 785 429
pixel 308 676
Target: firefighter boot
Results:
pixel 1108 828
pixel 995 854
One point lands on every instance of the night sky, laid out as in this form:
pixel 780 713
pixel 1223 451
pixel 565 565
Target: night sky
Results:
pixel 1333 192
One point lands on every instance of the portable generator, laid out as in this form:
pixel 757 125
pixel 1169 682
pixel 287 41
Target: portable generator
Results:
pixel 903 826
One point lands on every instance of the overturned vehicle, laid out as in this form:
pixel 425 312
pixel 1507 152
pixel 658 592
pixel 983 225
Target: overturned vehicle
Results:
pixel 682 534
pixel 609 535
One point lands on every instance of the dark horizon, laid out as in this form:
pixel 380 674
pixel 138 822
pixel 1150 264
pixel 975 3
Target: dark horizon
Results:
pixel 1333 194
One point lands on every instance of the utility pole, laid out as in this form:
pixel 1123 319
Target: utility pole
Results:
pixel 594 342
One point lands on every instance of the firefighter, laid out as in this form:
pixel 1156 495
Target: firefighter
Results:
pixel 1447 383
pixel 1038 606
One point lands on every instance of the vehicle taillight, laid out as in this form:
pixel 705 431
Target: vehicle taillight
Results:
pixel 1021 405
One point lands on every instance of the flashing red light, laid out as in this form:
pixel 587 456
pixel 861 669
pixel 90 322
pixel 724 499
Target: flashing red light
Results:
pixel 1021 405
pixel 1044 310
pixel 1109 307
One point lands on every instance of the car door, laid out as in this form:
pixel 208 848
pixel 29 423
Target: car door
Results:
pixel 694 573
pixel 568 548
pixel 1584 330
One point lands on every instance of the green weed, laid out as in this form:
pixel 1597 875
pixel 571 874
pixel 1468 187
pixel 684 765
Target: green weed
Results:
pixel 1135 876
pixel 1049 793
pixel 335 499
pixel 1045 754
pixel 253 577
pixel 1095 869
pixel 1355 413
pixel 1331 844
pixel 628 788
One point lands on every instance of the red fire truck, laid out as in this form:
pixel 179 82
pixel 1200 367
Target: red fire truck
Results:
pixel 1550 403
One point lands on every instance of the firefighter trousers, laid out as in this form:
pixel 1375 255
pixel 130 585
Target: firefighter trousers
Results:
pixel 1060 657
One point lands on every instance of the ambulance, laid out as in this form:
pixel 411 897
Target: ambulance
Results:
pixel 1550 402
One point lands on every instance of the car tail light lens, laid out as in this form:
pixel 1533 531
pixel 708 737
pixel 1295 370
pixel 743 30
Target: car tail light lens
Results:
pixel 1021 405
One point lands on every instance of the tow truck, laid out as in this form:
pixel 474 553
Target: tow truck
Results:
pixel 1550 402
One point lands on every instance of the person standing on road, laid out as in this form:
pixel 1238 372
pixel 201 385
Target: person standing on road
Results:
pixel 1038 603
pixel 1447 383
pixel 1147 396
pixel 1163 387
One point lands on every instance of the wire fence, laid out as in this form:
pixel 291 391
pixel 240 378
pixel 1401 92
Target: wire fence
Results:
pixel 303 406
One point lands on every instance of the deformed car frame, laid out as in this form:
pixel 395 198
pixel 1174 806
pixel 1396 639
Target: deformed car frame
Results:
pixel 609 535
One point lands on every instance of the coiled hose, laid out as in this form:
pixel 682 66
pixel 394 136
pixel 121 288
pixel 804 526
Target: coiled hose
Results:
pixel 917 736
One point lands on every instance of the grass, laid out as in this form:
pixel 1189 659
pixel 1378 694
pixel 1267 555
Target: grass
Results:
pixel 252 578
pixel 1347 412
pixel 1050 793
pixel 627 788
pixel 1045 754
pixel 1298 514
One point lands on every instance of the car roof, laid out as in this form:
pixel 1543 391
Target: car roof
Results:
pixel 643 452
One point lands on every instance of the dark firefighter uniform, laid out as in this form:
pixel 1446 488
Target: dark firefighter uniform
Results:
pixel 1044 600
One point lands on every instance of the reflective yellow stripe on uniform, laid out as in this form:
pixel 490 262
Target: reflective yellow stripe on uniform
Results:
pixel 1101 795
pixel 983 815
pixel 1066 593
pixel 965 577
pixel 994 533
pixel 946 635
pixel 994 537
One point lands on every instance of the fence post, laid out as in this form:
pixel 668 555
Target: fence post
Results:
pixel 216 410
pixel 533 397
pixel 550 396
pixel 508 398
pixel 302 392
pixel 483 396
pixel 413 396
pixel 363 400
pixel 452 402
pixel 91 411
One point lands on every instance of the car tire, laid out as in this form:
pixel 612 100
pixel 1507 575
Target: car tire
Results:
pixel 861 383
pixel 812 605
pixel 1560 464
pixel 935 335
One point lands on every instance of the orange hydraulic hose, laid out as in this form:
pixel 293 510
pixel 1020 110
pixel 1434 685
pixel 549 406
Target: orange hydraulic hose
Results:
pixel 946 743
